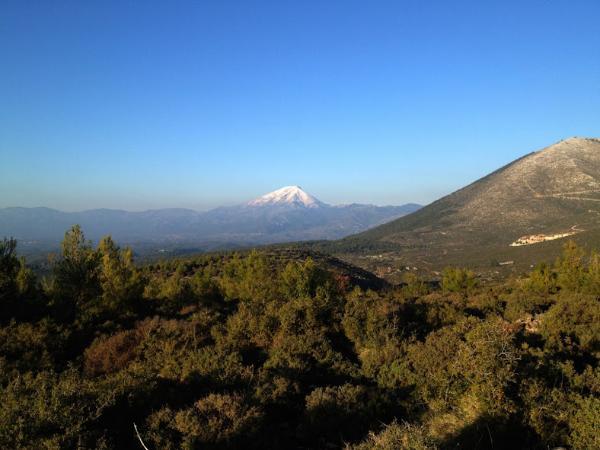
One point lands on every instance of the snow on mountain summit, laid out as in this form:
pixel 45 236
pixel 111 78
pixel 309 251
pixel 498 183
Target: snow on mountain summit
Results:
pixel 287 196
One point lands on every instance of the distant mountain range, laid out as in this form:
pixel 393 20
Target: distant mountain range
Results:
pixel 516 216
pixel 287 214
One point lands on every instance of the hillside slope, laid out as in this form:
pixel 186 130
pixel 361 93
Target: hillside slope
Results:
pixel 521 212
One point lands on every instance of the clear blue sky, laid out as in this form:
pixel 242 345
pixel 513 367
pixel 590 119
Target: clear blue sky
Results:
pixel 137 105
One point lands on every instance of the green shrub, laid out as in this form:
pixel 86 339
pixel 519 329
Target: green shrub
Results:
pixel 216 418
pixel 585 424
pixel 458 280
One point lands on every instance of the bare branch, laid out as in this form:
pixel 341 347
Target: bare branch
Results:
pixel 139 437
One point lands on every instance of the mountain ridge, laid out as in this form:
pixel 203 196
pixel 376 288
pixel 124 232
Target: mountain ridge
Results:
pixel 287 214
pixel 545 193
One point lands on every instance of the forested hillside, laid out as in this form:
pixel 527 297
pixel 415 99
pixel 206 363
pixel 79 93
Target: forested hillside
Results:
pixel 265 351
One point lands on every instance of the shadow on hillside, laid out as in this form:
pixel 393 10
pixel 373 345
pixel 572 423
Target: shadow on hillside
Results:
pixel 494 433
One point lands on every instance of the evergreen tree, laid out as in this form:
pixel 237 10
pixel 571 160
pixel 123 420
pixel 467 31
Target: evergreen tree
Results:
pixel 76 283
pixel 121 283
pixel 9 269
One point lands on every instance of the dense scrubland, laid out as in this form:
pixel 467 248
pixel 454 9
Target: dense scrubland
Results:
pixel 250 351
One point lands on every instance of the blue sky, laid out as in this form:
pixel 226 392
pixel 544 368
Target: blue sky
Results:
pixel 138 105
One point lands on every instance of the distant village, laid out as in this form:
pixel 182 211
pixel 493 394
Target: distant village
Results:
pixel 537 238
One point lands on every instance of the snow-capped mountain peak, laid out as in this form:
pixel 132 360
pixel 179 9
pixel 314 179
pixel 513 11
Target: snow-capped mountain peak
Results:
pixel 288 196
